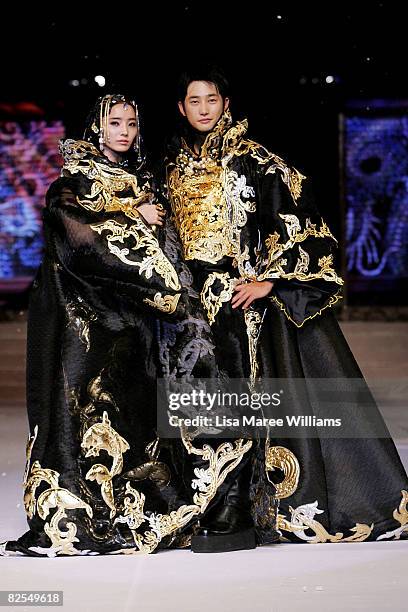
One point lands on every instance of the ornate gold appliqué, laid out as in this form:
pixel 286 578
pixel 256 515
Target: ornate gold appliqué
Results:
pixel 283 459
pixel 221 461
pixel 143 238
pixel 107 181
pixel 29 447
pixel 275 263
pixel 102 436
pixel 253 322
pixel 302 519
pixel 212 302
pixel 167 304
pixel 54 497
pixel 401 516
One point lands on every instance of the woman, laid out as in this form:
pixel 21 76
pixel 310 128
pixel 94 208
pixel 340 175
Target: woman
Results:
pixel 111 310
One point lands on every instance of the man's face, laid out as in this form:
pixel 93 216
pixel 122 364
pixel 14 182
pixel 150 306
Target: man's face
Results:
pixel 203 105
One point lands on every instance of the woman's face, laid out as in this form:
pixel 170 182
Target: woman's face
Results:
pixel 122 131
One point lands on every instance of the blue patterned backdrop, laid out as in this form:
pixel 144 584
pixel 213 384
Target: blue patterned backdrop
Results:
pixel 376 183
pixel 29 163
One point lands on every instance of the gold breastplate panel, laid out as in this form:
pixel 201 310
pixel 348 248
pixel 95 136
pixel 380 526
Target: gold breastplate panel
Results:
pixel 201 213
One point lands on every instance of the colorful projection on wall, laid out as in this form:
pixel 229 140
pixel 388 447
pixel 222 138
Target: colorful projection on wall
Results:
pixel 29 162
pixel 376 183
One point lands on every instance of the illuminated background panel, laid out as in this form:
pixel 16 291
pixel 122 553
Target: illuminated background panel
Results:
pixel 29 162
pixel 376 195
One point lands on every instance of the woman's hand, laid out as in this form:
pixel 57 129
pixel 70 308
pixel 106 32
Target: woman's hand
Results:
pixel 246 293
pixel 152 213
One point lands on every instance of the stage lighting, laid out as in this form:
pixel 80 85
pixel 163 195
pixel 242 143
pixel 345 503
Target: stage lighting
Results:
pixel 100 80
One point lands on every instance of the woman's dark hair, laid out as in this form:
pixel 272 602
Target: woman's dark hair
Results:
pixel 210 73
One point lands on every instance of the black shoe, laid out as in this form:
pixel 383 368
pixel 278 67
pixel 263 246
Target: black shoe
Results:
pixel 228 526
pixel 227 532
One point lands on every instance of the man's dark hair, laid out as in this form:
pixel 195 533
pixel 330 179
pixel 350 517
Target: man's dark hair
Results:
pixel 203 72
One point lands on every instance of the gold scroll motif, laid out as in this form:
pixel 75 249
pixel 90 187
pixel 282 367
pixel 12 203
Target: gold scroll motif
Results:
pixel 401 516
pixel 253 322
pixel 107 181
pixel 144 238
pixel 221 461
pixel 276 249
pixel 101 436
pixel 200 210
pixel 283 459
pixel 55 497
pixel 167 304
pixel 209 209
pixel 290 176
pixel 302 519
pixel 212 302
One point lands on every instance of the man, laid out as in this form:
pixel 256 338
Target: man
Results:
pixel 262 261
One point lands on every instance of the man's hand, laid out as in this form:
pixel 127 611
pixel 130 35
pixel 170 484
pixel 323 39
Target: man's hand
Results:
pixel 246 293
pixel 152 213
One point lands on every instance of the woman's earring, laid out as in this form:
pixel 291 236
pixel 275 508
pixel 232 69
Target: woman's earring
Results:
pixel 137 141
pixel 101 140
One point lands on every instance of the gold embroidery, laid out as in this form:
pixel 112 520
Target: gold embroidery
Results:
pixel 333 300
pixel 101 436
pixel 144 238
pixel 200 211
pixel 283 459
pixel 167 304
pixel 213 302
pixel 221 461
pixel 253 322
pixel 302 518
pixel 206 198
pixel 275 263
pixel 53 497
pixel 401 515
pixel 290 176
pixel 107 181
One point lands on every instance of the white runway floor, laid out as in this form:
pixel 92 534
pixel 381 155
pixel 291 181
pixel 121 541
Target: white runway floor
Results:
pixel 277 578
pixel 370 576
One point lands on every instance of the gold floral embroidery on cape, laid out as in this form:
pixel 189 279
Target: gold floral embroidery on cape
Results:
pixel 401 516
pixel 107 181
pixel 211 301
pixel 102 436
pixel 143 238
pixel 221 461
pixel 58 498
pixel 275 263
